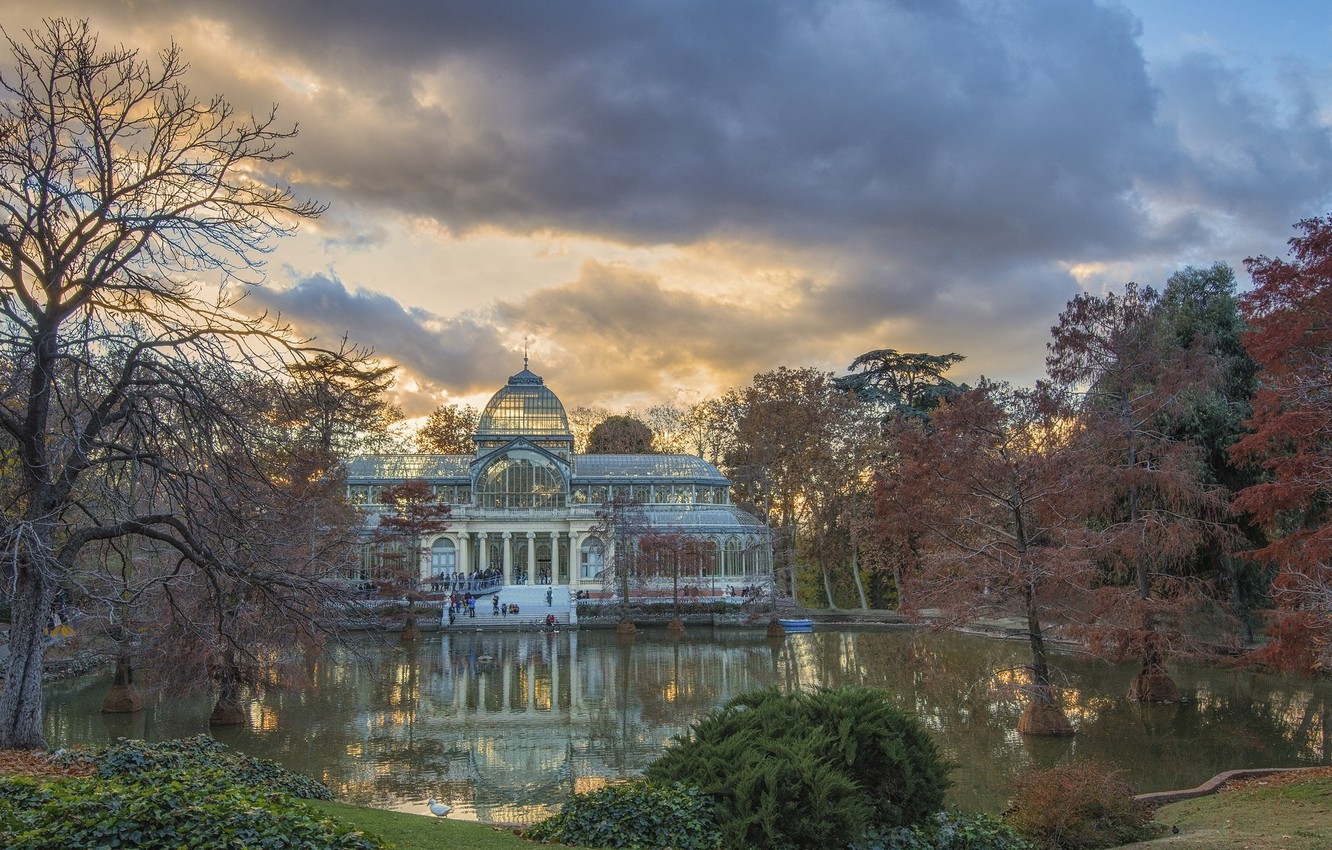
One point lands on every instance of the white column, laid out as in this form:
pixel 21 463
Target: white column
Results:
pixel 554 557
pixel 464 563
pixel 508 557
pixel 575 579
pixel 531 558
pixel 483 547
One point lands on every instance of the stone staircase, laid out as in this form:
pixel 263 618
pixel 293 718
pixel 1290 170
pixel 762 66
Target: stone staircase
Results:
pixel 533 610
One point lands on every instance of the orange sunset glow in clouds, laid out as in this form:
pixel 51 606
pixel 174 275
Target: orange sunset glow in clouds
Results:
pixel 667 198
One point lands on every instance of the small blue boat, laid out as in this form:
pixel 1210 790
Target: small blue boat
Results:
pixel 796 625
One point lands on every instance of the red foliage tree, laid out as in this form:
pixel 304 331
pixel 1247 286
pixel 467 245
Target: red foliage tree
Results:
pixel 985 488
pixel 1148 503
pixel 1289 312
pixel 414 513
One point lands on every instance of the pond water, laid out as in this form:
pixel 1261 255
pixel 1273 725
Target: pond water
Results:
pixel 506 726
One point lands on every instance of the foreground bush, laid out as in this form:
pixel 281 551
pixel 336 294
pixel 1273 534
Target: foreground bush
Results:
pixel 134 758
pixel 821 770
pixel 950 830
pixel 194 808
pixel 1078 807
pixel 635 815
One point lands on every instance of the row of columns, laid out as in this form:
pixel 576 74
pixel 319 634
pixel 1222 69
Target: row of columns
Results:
pixel 463 540
pixel 532 669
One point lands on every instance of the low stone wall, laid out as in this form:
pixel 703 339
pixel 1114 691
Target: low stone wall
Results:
pixel 1211 786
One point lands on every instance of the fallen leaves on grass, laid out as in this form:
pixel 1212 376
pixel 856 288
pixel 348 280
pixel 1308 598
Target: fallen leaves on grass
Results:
pixel 1283 778
pixel 39 763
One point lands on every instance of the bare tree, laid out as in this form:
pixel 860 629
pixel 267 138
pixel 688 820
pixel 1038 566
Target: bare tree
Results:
pixel 121 194
pixel 621 526
pixel 415 512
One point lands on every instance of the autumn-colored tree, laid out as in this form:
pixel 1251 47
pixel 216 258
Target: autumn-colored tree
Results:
pixel 712 424
pixel 838 491
pixel 1289 311
pixel 1149 503
pixel 413 512
pixel 448 430
pixel 788 425
pixel 582 420
pixel 620 434
pixel 289 545
pixel 985 490
pixel 123 199
pixel 670 428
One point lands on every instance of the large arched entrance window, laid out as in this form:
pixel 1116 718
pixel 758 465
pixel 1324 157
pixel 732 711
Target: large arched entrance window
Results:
pixel 591 559
pixel 443 557
pixel 521 479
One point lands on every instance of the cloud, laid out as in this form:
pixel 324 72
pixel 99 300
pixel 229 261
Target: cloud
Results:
pixel 457 354
pixel 930 174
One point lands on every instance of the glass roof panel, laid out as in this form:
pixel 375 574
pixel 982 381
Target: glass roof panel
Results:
pixel 620 467
pixel 408 467
pixel 701 517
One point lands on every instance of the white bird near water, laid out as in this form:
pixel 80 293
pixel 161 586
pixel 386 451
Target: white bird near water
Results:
pixel 439 810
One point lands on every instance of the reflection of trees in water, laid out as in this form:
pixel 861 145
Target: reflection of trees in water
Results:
pixel 507 725
pixel 657 686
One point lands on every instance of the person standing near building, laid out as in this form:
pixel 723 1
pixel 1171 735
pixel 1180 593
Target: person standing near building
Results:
pixel 471 605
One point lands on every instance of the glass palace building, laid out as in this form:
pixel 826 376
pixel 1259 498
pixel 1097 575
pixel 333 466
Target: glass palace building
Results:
pixel 525 507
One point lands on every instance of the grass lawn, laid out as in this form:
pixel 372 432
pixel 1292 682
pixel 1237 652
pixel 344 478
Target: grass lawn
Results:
pixel 422 832
pixel 1272 813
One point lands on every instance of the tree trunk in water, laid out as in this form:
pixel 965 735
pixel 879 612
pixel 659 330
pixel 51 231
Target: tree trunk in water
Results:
pixel 21 696
pixel 411 631
pixel 228 710
pixel 1153 684
pixel 122 697
pixel 1042 714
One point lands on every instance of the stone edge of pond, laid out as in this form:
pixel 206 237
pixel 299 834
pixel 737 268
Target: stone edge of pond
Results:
pixel 1211 786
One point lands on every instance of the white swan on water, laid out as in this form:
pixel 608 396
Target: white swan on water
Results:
pixel 439 810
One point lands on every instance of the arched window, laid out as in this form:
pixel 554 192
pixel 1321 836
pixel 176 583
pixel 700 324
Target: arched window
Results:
pixel 708 555
pixel 443 557
pixel 732 565
pixel 591 559
pixel 521 479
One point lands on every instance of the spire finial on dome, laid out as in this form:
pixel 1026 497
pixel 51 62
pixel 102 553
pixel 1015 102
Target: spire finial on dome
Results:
pixel 526 341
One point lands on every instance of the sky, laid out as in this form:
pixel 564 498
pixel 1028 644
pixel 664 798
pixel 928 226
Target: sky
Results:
pixel 658 199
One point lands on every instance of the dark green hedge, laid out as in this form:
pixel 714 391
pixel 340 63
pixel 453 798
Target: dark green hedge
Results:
pixel 162 811
pixel 817 770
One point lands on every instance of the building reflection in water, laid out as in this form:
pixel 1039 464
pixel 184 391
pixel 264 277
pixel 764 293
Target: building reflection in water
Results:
pixel 506 726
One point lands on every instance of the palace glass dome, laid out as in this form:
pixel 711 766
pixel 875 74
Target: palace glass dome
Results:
pixel 524 407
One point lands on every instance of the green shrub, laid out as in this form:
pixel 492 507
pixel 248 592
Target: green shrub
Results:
pixel 634 815
pixel 818 770
pixel 129 758
pixel 194 808
pixel 1078 807
pixel 950 830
